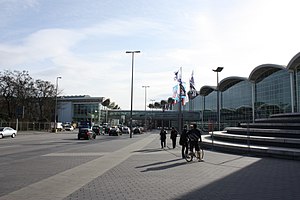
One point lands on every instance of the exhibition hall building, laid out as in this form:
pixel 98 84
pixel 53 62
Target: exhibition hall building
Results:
pixel 269 89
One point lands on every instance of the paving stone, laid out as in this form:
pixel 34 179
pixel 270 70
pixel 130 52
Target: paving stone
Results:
pixel 162 174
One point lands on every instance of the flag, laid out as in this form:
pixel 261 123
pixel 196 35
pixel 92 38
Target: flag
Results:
pixel 178 75
pixel 193 92
pixel 175 93
pixel 182 90
pixel 182 93
pixel 192 83
pixel 179 91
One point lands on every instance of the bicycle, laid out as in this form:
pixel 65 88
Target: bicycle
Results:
pixel 191 155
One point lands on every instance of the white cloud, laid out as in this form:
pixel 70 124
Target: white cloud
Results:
pixel 92 59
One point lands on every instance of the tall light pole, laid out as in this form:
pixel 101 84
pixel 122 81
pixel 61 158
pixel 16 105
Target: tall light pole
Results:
pixel 219 69
pixel 55 112
pixel 131 101
pixel 145 86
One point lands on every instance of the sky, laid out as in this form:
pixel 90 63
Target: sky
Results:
pixel 85 43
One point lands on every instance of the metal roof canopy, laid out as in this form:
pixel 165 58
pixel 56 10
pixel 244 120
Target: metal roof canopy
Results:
pixel 294 63
pixel 206 90
pixel 263 71
pixel 229 82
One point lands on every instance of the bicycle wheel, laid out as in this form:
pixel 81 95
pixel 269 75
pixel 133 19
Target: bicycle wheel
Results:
pixel 189 157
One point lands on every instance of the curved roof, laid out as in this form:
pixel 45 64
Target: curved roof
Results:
pixel 206 90
pixel 263 71
pixel 229 82
pixel 295 62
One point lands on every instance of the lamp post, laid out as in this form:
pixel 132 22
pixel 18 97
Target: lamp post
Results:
pixel 55 112
pixel 145 86
pixel 131 101
pixel 219 69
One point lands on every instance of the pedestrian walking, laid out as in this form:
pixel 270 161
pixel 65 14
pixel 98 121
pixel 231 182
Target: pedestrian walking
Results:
pixel 173 137
pixel 163 137
pixel 183 141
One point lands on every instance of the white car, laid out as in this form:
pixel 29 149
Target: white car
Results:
pixel 69 128
pixel 125 129
pixel 7 131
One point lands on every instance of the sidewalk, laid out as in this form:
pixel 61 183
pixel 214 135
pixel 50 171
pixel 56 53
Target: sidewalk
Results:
pixel 152 173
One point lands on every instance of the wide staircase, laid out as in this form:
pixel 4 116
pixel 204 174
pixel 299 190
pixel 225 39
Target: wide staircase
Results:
pixel 277 136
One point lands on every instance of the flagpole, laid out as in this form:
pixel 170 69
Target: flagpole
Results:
pixel 178 78
pixel 180 102
pixel 179 108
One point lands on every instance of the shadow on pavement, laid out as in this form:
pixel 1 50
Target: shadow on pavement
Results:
pixel 148 150
pixel 161 166
pixel 267 179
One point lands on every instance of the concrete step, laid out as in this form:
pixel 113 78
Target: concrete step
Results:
pixel 260 150
pixel 269 132
pixel 288 126
pixel 278 120
pixel 259 140
pixel 285 115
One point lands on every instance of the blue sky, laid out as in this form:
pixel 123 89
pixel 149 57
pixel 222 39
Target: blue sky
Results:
pixel 84 42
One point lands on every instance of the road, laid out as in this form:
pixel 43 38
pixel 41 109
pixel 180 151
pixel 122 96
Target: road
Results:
pixel 30 158
pixel 58 166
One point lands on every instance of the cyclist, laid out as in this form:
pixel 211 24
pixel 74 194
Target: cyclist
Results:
pixel 183 141
pixel 194 135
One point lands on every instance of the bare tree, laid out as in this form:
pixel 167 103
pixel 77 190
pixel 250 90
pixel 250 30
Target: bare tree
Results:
pixel 7 92
pixel 24 89
pixel 44 93
pixel 19 92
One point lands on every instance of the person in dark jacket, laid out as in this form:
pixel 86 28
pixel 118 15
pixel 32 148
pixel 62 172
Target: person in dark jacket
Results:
pixel 163 137
pixel 183 141
pixel 194 136
pixel 173 137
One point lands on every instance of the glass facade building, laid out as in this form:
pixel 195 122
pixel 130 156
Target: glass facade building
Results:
pixel 269 89
pixel 80 108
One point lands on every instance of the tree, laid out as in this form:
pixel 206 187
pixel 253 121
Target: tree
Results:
pixel 163 104
pixel 170 102
pixel 157 105
pixel 19 92
pixel 151 106
pixel 24 91
pixel 45 93
pixel 7 92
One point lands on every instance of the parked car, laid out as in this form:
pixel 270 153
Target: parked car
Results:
pixel 7 131
pixel 97 129
pixel 86 133
pixel 125 129
pixel 69 128
pixel 114 130
pixel 137 130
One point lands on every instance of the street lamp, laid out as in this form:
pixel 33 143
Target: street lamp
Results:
pixel 132 53
pixel 219 69
pixel 55 112
pixel 145 86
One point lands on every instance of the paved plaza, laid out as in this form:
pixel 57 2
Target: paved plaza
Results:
pixel 142 170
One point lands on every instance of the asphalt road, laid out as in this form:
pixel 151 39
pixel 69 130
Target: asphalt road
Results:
pixel 32 157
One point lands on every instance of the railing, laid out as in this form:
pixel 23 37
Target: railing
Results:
pixel 28 126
